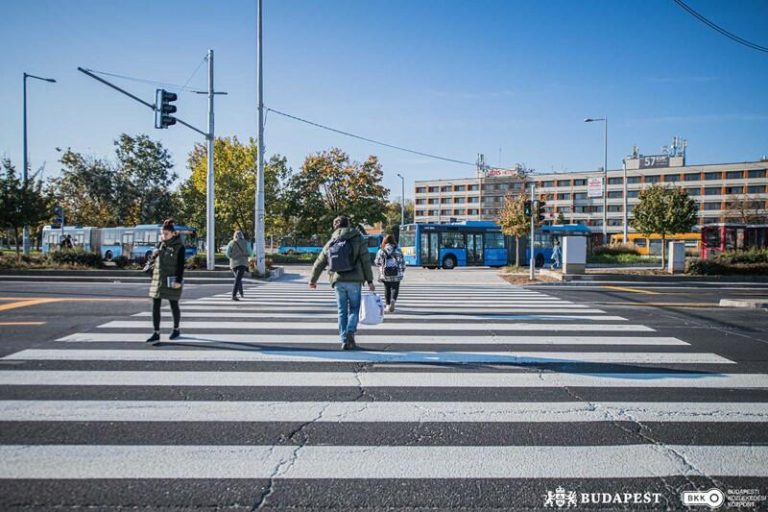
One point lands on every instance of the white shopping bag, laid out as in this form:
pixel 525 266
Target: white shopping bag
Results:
pixel 371 309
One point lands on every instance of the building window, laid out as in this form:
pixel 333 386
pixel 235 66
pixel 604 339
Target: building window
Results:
pixel 652 179
pixel 420 201
pixel 614 222
pixel 445 212
pixel 734 190
pixel 709 220
pixel 458 212
pixel 564 209
pixel 613 194
pixel 419 213
pixel 421 190
pixel 596 223
pixel 712 175
pixel 711 206
pixel 564 196
pixel 445 200
pixel 734 175
pixel 756 189
pixel 473 188
pixel 445 188
pixel 615 181
pixel 756 173
pixel 459 188
pixel 459 200
pixel 580 195
pixel 633 179
pixel 579 183
pixel 692 176
pixel 432 200
pixel 712 191
pixel 434 189
pixel 614 208
pixel 671 178
pixel 633 193
pixel 547 184
pixel 693 191
pixel 563 183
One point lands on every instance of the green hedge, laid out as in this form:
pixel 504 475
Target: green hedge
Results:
pixel 75 257
pixel 751 262
pixel 616 250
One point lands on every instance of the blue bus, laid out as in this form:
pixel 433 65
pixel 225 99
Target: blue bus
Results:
pixel 467 243
pixel 545 238
pixel 315 244
pixel 135 243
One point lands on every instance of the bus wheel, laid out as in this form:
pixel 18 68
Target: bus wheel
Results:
pixel 449 262
pixel 539 260
pixel 108 256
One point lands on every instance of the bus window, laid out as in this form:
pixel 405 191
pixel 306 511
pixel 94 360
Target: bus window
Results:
pixel 640 242
pixel 494 240
pixel 712 238
pixel 452 240
pixel 407 238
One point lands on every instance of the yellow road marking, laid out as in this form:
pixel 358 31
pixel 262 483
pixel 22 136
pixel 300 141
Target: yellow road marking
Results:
pixel 633 290
pixel 21 323
pixel 26 303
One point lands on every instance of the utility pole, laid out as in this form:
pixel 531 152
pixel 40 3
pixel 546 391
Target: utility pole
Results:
pixel 533 234
pixel 402 204
pixel 210 221
pixel 259 224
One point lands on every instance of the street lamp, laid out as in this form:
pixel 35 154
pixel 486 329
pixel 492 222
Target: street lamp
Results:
pixel 605 177
pixel 402 200
pixel 25 158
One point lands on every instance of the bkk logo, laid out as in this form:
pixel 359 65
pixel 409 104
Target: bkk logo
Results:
pixel 712 498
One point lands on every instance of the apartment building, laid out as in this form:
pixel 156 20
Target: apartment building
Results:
pixel 722 191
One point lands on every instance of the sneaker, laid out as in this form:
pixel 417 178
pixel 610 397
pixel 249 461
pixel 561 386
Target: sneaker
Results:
pixel 174 334
pixel 234 297
pixel 392 307
pixel 155 338
pixel 351 341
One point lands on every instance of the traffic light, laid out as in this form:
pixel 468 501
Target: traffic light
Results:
pixel 540 210
pixel 527 208
pixel 58 216
pixel 163 108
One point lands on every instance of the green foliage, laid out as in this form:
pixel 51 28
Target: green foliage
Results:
pixel 751 262
pixel 513 221
pixel 664 211
pixel 753 255
pixel 21 203
pixel 626 258
pixel 616 249
pixel 392 213
pixel 133 190
pixel 235 165
pixel 75 257
pixel 330 184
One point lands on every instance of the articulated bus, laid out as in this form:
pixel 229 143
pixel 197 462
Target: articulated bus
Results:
pixel 468 243
pixel 651 244
pixel 291 246
pixel 545 238
pixel 718 238
pixel 135 243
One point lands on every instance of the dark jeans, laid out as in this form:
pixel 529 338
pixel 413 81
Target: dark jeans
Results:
pixel 391 289
pixel 156 313
pixel 238 287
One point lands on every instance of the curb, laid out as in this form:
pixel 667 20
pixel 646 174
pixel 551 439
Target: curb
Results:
pixel 744 303
pixel 111 276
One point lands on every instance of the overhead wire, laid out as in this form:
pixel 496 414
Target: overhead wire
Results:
pixel 372 141
pixel 140 80
pixel 718 28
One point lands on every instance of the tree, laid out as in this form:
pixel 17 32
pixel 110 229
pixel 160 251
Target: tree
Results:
pixel 86 191
pixel 560 218
pixel 513 220
pixel 143 180
pixel 235 174
pixel 21 203
pixel 330 184
pixel 664 211
pixel 746 210
pixel 393 216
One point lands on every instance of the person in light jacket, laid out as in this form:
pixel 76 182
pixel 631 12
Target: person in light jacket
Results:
pixel 557 254
pixel 167 276
pixel 237 252
pixel 391 264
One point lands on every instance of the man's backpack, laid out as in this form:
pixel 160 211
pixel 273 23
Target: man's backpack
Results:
pixel 340 255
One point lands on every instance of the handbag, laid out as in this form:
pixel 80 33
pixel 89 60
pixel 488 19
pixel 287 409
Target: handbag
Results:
pixel 371 309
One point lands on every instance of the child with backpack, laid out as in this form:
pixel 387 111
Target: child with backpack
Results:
pixel 391 265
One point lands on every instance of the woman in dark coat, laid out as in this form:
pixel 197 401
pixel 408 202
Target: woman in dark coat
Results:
pixel 167 277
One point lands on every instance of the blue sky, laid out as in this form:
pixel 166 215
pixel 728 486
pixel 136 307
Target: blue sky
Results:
pixel 453 78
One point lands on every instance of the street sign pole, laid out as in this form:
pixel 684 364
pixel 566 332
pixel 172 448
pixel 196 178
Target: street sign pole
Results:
pixel 210 221
pixel 259 221
pixel 532 262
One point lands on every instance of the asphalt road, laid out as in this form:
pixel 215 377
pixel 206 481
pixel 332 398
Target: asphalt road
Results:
pixel 475 394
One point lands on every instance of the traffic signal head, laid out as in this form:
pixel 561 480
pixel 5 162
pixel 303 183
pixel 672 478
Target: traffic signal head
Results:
pixel 58 215
pixel 527 208
pixel 539 206
pixel 163 108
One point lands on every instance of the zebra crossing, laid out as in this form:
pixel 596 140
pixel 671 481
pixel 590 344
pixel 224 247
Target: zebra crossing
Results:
pixel 471 395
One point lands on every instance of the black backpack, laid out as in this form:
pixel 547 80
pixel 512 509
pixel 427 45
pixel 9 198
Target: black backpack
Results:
pixel 340 255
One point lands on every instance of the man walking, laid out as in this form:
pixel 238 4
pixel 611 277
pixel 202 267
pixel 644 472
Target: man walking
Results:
pixel 349 265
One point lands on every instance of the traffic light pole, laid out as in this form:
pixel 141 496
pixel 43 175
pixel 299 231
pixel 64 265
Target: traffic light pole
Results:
pixel 532 262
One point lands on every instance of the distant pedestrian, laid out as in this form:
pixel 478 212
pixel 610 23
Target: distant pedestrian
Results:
pixel 391 265
pixel 237 252
pixel 66 243
pixel 349 265
pixel 556 255
pixel 167 277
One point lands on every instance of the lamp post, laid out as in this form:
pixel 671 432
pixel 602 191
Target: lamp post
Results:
pixel 25 157
pixel 605 177
pixel 402 202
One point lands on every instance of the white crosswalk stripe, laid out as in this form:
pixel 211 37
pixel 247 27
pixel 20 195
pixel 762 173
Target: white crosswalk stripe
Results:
pixel 461 357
